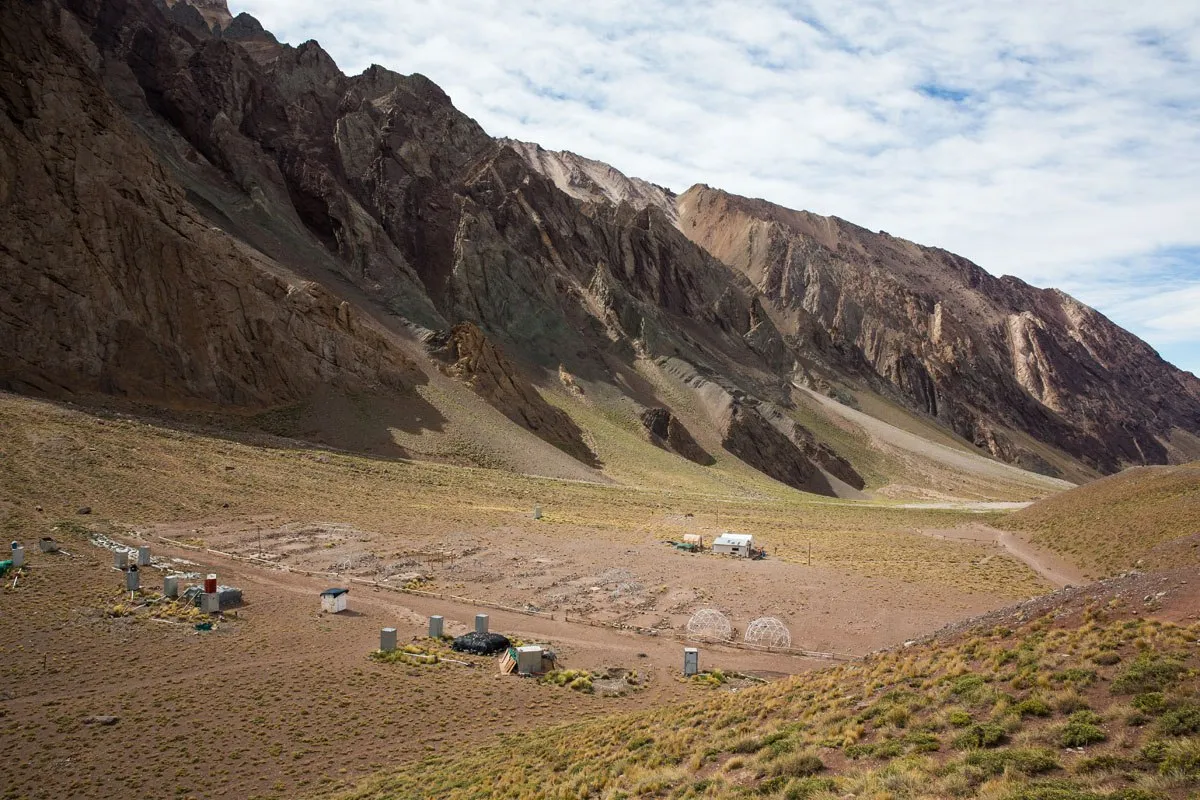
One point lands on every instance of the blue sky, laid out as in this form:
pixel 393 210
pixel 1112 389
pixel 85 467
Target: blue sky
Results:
pixel 1059 142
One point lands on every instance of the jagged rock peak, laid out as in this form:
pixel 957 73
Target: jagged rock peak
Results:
pixel 595 181
pixel 215 12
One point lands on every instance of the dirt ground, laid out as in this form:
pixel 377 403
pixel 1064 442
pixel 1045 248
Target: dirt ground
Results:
pixel 581 574
pixel 283 700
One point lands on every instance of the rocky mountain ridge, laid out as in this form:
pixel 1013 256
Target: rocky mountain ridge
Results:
pixel 196 213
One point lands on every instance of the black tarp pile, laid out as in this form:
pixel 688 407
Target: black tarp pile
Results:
pixel 481 644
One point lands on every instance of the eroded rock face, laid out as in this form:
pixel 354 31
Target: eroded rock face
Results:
pixel 976 352
pixel 669 433
pixel 468 356
pixel 114 284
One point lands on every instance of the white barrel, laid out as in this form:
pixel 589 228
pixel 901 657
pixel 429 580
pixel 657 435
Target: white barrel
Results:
pixel 435 627
pixel 171 586
pixel 18 556
pixel 387 639
pixel 481 623
pixel 143 556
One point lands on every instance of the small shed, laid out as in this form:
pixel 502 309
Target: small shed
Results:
pixel 334 600
pixel 734 544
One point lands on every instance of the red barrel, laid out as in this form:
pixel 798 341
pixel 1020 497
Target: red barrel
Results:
pixel 210 584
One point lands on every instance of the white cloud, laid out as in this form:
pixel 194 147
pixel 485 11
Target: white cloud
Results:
pixel 1059 142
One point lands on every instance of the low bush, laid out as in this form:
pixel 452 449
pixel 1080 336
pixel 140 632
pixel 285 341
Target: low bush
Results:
pixel 1150 672
pixel 797 765
pixel 980 736
pixel 1081 730
pixel 1033 707
pixel 1029 762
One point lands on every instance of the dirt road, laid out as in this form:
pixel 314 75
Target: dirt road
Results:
pixel 1053 568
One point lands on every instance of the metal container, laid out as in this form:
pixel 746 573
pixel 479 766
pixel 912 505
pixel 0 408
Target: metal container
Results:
pixel 133 579
pixel 171 586
pixel 537 512
pixel 210 584
pixel 48 545
pixel 143 558
pixel 435 627
pixel 481 623
pixel 210 602
pixel 691 661
pixel 120 559
pixel 387 639
pixel 18 555
pixel 529 660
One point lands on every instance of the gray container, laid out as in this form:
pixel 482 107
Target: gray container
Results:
pixel 48 545
pixel 120 559
pixel 537 512
pixel 481 623
pixel 143 558
pixel 435 627
pixel 171 586
pixel 210 602
pixel 529 660
pixel 18 556
pixel 691 661
pixel 387 639
pixel 133 579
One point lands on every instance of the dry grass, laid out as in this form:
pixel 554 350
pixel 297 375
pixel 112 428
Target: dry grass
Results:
pixel 962 719
pixel 1147 514
pixel 135 472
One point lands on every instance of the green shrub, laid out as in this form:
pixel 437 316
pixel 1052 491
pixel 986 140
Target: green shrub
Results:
pixel 959 718
pixel 1150 672
pixel 1081 730
pixel 923 742
pixel 1181 721
pixel 1181 759
pixel 1030 762
pixel 1106 658
pixel 1033 707
pixel 986 735
pixel 1150 702
pixel 1075 676
pixel 797 765
pixel 803 788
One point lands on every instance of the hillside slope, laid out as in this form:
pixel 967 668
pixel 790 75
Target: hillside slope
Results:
pixel 1145 517
pixel 200 217
pixel 1084 703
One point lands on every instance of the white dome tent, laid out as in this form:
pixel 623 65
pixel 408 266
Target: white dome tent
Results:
pixel 768 632
pixel 708 623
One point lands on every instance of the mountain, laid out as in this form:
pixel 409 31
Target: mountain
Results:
pixel 199 218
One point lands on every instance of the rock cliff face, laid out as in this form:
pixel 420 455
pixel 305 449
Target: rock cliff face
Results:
pixel 114 284
pixel 976 352
pixel 195 213
pixel 668 432
pixel 468 356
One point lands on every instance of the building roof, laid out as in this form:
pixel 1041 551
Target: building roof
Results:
pixel 737 539
pixel 334 592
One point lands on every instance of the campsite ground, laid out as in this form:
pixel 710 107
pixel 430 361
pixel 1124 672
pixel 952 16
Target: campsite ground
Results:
pixel 284 701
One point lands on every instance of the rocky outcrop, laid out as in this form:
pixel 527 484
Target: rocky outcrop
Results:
pixel 669 433
pixel 114 284
pixel 982 355
pixel 595 181
pixel 466 354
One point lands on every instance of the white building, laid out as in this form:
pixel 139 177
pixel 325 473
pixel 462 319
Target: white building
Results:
pixel 334 600
pixel 734 544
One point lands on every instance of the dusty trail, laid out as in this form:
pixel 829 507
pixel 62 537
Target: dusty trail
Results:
pixel 1053 568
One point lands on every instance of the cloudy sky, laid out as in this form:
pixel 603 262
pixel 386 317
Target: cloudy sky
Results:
pixel 1059 142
